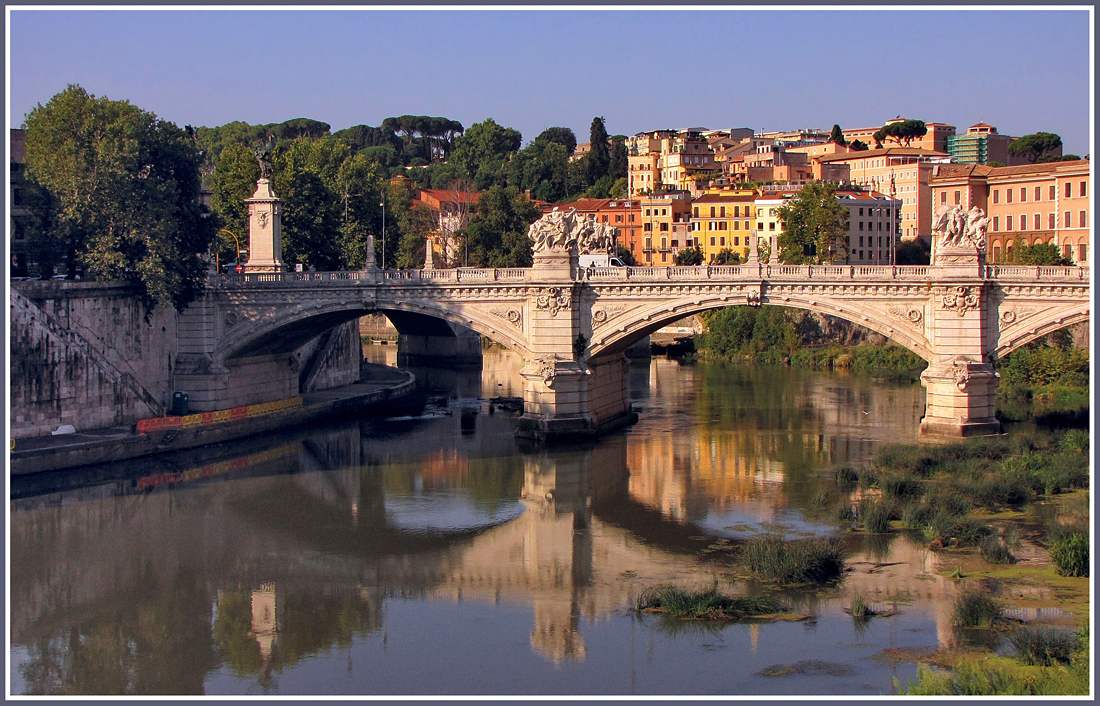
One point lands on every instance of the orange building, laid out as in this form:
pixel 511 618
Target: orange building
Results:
pixel 1033 203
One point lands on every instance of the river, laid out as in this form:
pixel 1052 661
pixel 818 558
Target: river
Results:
pixel 434 554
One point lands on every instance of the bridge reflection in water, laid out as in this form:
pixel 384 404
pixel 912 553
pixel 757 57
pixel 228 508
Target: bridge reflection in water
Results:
pixel 299 545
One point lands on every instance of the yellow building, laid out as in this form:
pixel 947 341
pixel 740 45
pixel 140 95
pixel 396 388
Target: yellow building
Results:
pixel 664 160
pixel 723 220
pixel 659 214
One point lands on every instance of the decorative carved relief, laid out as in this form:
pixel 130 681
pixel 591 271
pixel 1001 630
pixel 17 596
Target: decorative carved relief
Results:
pixel 547 368
pixel 512 316
pixel 553 300
pixel 961 300
pixel 230 318
pixel 1011 316
pixel 601 316
pixel 910 314
pixel 753 298
pixel 261 216
pixel 961 375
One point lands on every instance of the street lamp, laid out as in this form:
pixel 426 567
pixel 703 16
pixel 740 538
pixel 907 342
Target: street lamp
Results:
pixel 383 205
pixel 240 269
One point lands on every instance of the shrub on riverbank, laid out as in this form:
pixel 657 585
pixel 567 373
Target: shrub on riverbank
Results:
pixel 773 558
pixel 1044 646
pixel 1070 554
pixel 973 609
pixel 707 604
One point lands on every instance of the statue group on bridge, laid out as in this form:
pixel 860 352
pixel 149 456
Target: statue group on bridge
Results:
pixel 958 227
pixel 563 231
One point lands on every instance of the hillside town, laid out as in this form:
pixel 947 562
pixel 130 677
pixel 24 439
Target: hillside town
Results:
pixel 711 191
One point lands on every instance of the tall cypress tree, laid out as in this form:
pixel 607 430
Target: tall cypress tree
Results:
pixel 599 156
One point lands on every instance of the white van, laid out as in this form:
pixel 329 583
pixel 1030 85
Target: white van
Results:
pixel 599 260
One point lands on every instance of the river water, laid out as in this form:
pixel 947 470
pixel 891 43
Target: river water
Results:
pixel 434 554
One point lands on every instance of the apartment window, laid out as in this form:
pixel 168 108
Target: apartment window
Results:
pixel 1082 252
pixel 861 225
pixel 664 226
pixel 1038 222
pixel 1081 220
pixel 1008 195
pixel 618 218
pixel 736 240
pixel 737 212
pixel 1008 222
pixel 759 225
pixel 943 200
pixel 996 254
pixel 1038 193
pixel 664 211
pixel 722 241
pixel 647 212
pixel 1066 220
pixel 664 257
pixel 712 211
pixel 737 225
pixel 1053 192
pixel 1069 189
pixel 722 212
pixel 880 225
pixel 1023 194
pixel 1050 221
pixel 632 218
pixel 712 241
pixel 996 196
pixel 771 226
pixel 696 212
pixel 721 225
pixel 605 219
pixel 664 243
pixel 649 243
pixel 861 241
pixel 958 197
pixel 648 227
pixel 1083 189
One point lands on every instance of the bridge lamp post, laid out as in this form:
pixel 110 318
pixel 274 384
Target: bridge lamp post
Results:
pixel 383 205
pixel 240 269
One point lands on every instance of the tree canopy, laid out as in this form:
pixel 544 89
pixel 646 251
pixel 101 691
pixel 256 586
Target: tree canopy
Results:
pixel 126 193
pixel 497 234
pixel 1037 254
pixel 1033 146
pixel 903 132
pixel 837 136
pixel 814 227
pixel 561 135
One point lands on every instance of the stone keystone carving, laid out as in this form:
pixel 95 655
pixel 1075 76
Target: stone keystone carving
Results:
pixel 957 227
pixel 554 300
pixel 961 300
pixel 567 231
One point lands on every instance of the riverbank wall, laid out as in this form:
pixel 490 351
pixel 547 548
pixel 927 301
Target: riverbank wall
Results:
pixel 88 354
pixel 380 388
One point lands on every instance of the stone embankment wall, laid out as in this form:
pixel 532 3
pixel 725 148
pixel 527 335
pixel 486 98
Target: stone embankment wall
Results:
pixel 85 354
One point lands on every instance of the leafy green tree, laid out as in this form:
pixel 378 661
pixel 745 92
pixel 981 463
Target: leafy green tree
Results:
pixel 689 256
pixel 561 135
pixel 913 252
pixel 858 146
pixel 1033 146
pixel 497 234
pixel 619 164
pixel 837 136
pixel 233 181
pixel 541 167
pixel 359 183
pixel 599 156
pixel 1037 254
pixel 601 189
pixel 127 188
pixel 814 230
pixel 482 150
pixel 619 188
pixel 623 253
pixel 415 225
pixel 311 220
pixel 903 132
pixel 726 256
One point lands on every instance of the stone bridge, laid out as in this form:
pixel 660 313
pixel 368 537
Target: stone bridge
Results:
pixel 572 325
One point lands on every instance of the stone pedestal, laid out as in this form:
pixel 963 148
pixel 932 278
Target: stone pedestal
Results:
pixel 960 399
pixel 958 261
pixel 265 247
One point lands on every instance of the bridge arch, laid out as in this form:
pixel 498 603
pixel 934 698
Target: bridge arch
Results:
pixel 1035 328
pixel 644 321
pixel 288 330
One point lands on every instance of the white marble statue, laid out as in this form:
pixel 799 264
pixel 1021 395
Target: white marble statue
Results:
pixel 957 227
pixel 559 231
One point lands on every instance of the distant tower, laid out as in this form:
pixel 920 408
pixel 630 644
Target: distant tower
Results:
pixel 265 246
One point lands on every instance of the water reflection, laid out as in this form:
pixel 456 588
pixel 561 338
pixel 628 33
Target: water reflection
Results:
pixel 413 552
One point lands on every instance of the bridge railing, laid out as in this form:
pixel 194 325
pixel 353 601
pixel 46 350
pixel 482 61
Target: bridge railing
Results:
pixel 1031 272
pixel 754 271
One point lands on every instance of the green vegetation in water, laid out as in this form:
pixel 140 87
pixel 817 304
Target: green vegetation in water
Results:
pixel 973 609
pixel 1069 552
pixel 996 551
pixel 1044 646
pixel 707 604
pixel 773 558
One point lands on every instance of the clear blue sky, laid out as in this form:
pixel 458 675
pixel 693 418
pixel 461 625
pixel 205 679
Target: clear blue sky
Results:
pixel 1023 71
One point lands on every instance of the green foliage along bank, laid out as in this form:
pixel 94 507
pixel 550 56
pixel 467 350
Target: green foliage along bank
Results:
pixel 770 334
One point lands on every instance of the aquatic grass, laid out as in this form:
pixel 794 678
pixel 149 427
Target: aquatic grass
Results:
pixel 995 551
pixel 705 604
pixel 978 679
pixel 858 607
pixel 1044 646
pixel 1069 552
pixel 973 609
pixel 773 558
pixel 846 475
pixel 876 515
pixel 1074 440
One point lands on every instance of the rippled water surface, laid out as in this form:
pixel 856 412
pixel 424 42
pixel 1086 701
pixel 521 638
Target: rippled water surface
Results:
pixel 432 554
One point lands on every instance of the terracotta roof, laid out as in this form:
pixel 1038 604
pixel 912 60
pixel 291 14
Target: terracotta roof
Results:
pixel 883 152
